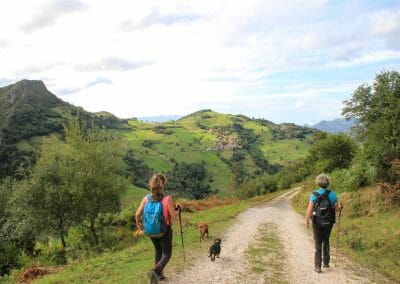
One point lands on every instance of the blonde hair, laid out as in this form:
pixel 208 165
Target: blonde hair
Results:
pixel 157 184
pixel 322 181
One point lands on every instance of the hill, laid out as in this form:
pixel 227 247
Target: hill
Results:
pixel 27 108
pixel 28 111
pixel 335 126
pixel 225 148
pixel 226 145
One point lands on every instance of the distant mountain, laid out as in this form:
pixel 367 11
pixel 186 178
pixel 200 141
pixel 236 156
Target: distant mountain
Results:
pixel 335 126
pixel 28 109
pixel 160 118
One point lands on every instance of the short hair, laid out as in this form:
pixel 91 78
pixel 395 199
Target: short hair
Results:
pixel 322 180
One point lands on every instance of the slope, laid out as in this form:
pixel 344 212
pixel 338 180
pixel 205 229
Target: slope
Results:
pixel 222 143
pixel 231 148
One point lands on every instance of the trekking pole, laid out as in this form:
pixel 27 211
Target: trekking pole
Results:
pixel 180 225
pixel 338 235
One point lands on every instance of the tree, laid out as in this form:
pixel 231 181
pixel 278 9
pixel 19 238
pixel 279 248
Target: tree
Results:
pixel 376 110
pixel 188 180
pixel 239 174
pixel 331 152
pixel 8 250
pixel 49 195
pixel 97 167
pixel 73 182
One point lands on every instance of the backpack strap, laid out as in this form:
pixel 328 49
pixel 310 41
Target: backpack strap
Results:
pixel 326 194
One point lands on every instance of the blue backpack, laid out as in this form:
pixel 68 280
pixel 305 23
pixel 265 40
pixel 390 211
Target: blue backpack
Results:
pixel 153 218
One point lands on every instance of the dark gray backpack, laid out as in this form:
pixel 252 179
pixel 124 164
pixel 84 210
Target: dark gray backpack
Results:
pixel 323 213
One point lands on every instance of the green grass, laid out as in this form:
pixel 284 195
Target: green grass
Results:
pixel 372 240
pixel 188 145
pixel 191 144
pixel 285 150
pixel 133 195
pixel 131 265
pixel 266 256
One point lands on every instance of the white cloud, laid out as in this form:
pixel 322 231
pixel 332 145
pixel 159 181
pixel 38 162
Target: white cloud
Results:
pixel 161 57
pixel 48 13
pixel 387 24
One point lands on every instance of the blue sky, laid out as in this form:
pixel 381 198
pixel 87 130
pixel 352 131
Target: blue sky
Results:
pixel 286 61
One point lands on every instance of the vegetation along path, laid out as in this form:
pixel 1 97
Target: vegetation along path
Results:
pixel 294 264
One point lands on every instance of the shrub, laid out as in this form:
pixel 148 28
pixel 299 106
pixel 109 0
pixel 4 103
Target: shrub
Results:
pixel 8 257
pixel 59 256
pixel 391 193
pixel 149 143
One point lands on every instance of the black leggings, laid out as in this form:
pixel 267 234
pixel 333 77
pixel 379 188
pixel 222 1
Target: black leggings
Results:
pixel 321 240
pixel 163 250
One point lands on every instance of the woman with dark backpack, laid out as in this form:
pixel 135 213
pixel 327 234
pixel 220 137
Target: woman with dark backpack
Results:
pixel 322 207
pixel 162 241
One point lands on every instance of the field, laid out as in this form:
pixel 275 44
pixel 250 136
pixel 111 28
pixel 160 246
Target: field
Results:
pixel 193 139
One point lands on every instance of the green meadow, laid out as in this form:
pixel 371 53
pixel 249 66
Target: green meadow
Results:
pixel 192 139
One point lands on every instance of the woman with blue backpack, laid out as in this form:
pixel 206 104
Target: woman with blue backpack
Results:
pixel 322 207
pixel 157 211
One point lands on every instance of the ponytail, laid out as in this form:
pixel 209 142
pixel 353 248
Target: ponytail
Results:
pixel 157 184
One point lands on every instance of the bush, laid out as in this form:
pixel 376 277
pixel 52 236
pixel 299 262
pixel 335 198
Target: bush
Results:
pixel 59 256
pixel 8 257
pixel 148 143
pixel 270 183
pixel 262 185
pixel 354 237
pixel 359 175
pixel 251 188
pixel 284 182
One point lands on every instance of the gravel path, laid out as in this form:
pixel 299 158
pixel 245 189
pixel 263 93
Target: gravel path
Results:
pixel 232 266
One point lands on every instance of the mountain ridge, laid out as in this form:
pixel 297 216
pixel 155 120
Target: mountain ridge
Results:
pixel 218 141
pixel 336 125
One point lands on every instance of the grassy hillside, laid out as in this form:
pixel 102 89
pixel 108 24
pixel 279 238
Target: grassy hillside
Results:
pixel 28 111
pixel 212 138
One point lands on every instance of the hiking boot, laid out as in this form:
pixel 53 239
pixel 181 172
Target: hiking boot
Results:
pixel 318 269
pixel 161 277
pixel 325 266
pixel 153 277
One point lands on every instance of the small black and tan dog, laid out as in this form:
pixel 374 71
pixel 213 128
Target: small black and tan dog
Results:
pixel 215 249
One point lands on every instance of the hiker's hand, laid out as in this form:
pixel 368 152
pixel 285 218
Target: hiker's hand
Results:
pixel 307 223
pixel 140 226
pixel 178 207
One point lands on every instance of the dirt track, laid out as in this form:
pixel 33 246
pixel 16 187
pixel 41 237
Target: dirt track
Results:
pixel 232 266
